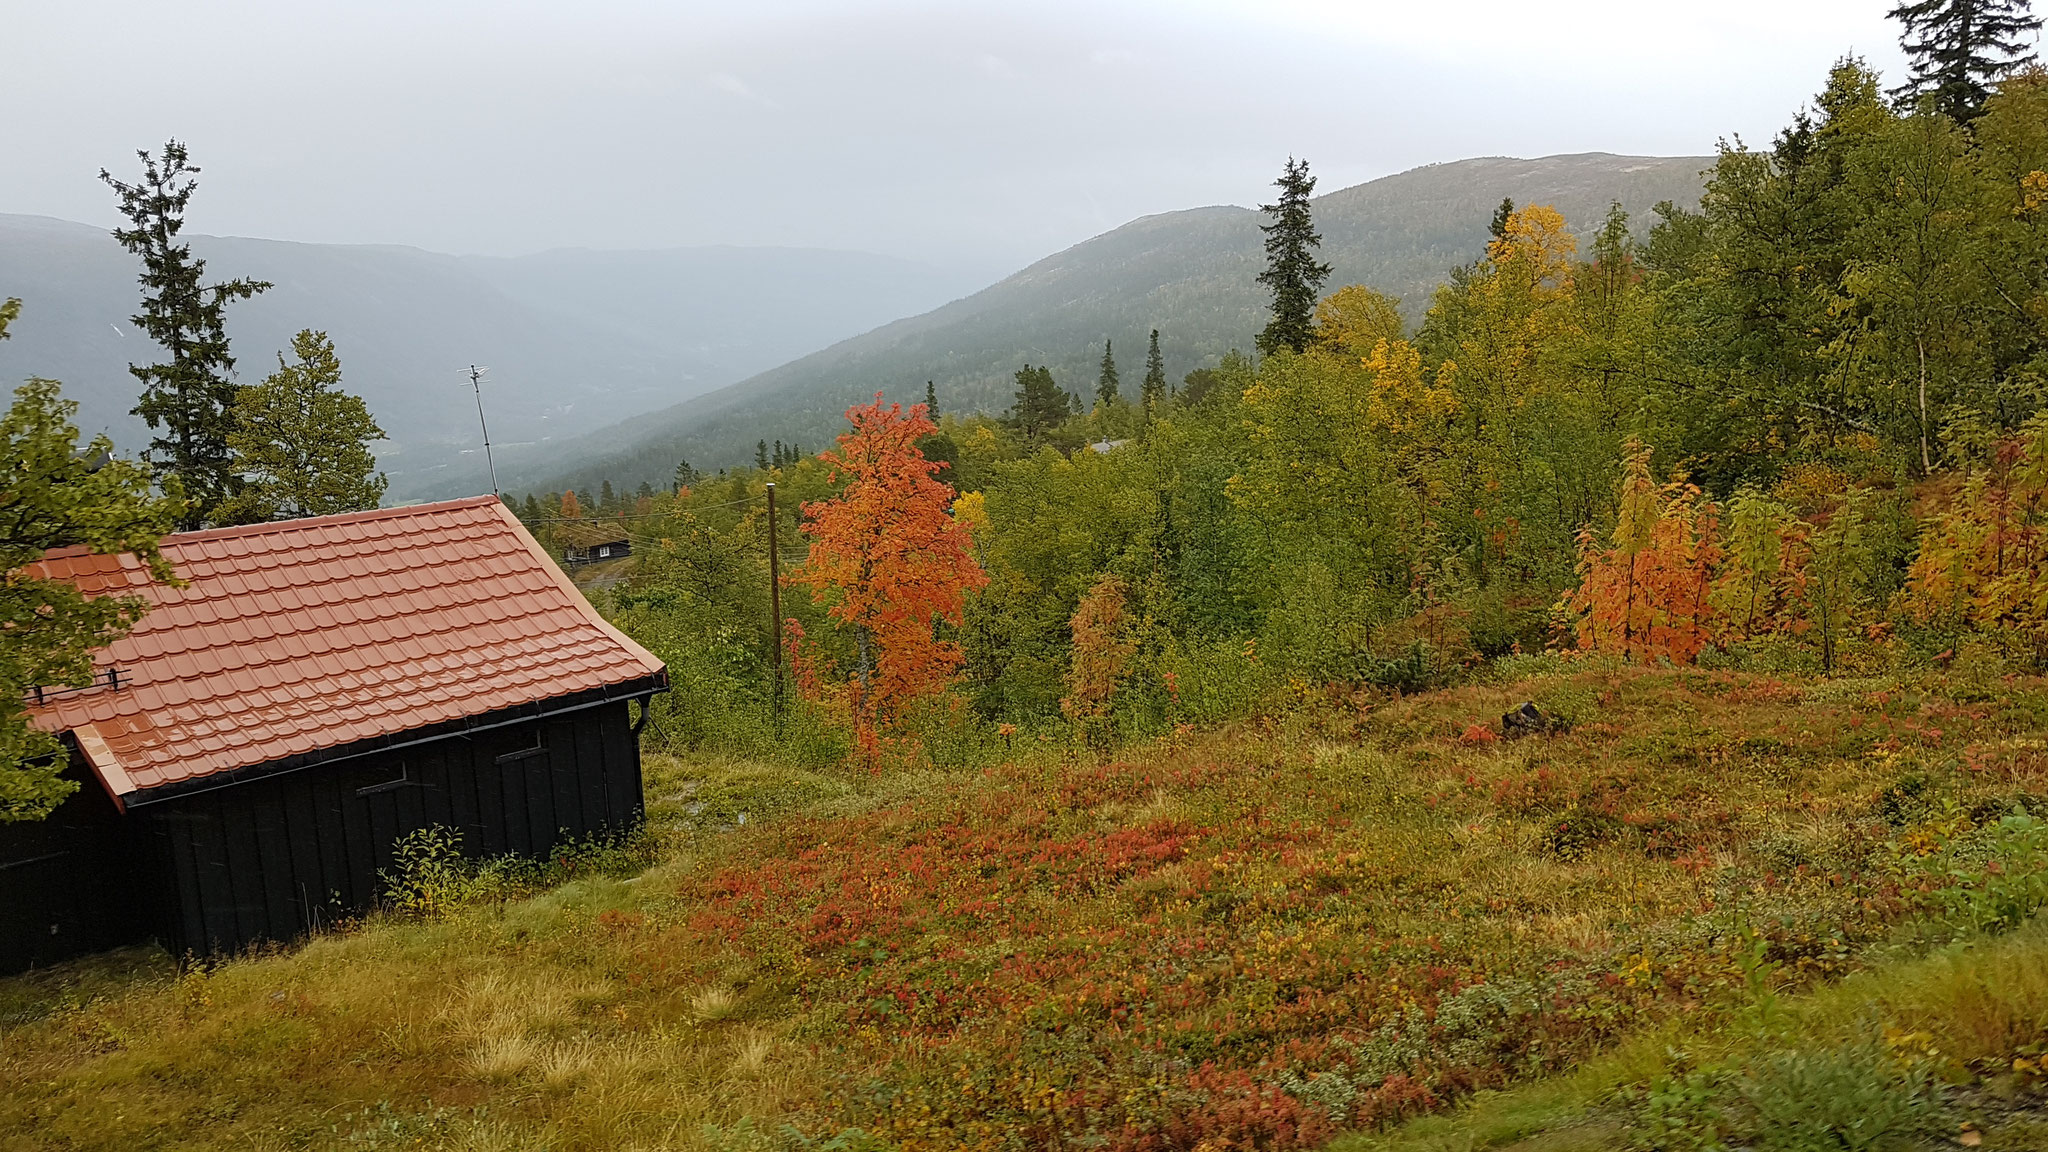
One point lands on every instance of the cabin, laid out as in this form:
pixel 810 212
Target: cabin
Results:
pixel 313 691
pixel 587 542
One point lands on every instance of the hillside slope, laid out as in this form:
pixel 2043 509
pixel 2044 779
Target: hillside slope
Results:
pixel 1249 938
pixel 1190 274
pixel 575 339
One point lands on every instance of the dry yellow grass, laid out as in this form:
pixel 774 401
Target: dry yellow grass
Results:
pixel 614 1015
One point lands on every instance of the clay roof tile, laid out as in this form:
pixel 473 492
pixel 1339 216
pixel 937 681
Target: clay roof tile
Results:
pixel 313 633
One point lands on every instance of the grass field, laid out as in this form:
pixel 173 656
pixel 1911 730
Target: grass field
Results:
pixel 1361 915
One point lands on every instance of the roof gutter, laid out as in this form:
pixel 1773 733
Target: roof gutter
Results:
pixel 642 689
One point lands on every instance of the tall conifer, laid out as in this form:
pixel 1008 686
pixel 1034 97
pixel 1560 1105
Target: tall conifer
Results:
pixel 1108 389
pixel 186 400
pixel 1152 392
pixel 1959 47
pixel 1293 274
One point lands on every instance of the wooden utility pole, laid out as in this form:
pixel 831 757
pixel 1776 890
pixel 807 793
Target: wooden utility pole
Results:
pixel 775 602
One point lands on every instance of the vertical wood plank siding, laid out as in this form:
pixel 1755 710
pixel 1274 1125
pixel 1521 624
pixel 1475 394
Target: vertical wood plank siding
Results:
pixel 273 858
pixel 67 885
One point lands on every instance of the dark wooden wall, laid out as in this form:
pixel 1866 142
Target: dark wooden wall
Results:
pixel 67 882
pixel 274 858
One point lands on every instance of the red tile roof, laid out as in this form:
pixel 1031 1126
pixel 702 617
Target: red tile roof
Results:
pixel 304 635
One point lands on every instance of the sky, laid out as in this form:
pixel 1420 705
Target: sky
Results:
pixel 971 135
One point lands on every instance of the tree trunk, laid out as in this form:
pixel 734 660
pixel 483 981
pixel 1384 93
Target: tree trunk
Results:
pixel 1926 460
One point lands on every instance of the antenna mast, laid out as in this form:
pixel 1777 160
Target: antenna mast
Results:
pixel 476 384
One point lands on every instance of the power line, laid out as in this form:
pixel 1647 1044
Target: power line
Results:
pixel 600 519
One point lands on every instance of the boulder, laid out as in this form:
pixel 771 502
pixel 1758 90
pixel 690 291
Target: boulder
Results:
pixel 1528 720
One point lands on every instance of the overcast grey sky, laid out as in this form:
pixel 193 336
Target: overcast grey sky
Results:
pixel 978 134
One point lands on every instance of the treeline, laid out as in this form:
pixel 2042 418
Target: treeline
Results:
pixel 1801 424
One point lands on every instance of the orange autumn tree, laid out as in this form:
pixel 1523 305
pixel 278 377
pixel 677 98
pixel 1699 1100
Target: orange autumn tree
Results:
pixel 889 561
pixel 1646 596
pixel 1102 646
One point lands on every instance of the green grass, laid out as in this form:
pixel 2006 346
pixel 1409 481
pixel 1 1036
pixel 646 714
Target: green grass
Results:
pixel 1354 914
pixel 1965 1009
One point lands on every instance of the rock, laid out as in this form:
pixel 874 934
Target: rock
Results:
pixel 1528 720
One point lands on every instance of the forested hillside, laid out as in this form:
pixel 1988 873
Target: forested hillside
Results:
pixel 1188 274
pixel 575 339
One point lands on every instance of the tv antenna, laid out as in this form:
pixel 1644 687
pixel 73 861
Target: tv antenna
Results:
pixel 476 384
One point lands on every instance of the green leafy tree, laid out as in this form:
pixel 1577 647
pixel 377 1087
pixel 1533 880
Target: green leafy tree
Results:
pixel 1911 293
pixel 1837 568
pixel 1108 387
pixel 187 399
pixel 52 495
pixel 1749 290
pixel 1293 274
pixel 1958 48
pixel 1152 391
pixel 1760 574
pixel 1040 405
pixel 300 444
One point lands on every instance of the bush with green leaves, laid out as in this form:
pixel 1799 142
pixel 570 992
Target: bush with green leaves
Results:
pixel 430 876
pixel 1855 1097
pixel 2002 884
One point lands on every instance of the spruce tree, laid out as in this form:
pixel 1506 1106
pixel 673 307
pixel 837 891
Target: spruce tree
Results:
pixel 186 400
pixel 1293 274
pixel 1501 216
pixel 1152 392
pixel 685 475
pixel 1958 48
pixel 1108 388
pixel 931 402
pixel 761 455
pixel 607 500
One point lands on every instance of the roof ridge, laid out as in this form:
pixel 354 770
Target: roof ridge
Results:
pixel 305 522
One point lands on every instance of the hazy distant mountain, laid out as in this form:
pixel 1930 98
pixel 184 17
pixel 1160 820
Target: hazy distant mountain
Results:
pixel 575 340
pixel 1189 274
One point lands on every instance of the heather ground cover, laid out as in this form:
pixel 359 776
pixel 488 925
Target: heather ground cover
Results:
pixel 1354 912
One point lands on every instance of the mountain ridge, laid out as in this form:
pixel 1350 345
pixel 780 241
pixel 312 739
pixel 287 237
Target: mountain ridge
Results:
pixel 1192 268
pixel 579 338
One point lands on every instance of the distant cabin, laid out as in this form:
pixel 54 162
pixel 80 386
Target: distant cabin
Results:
pixel 587 542
pixel 251 752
